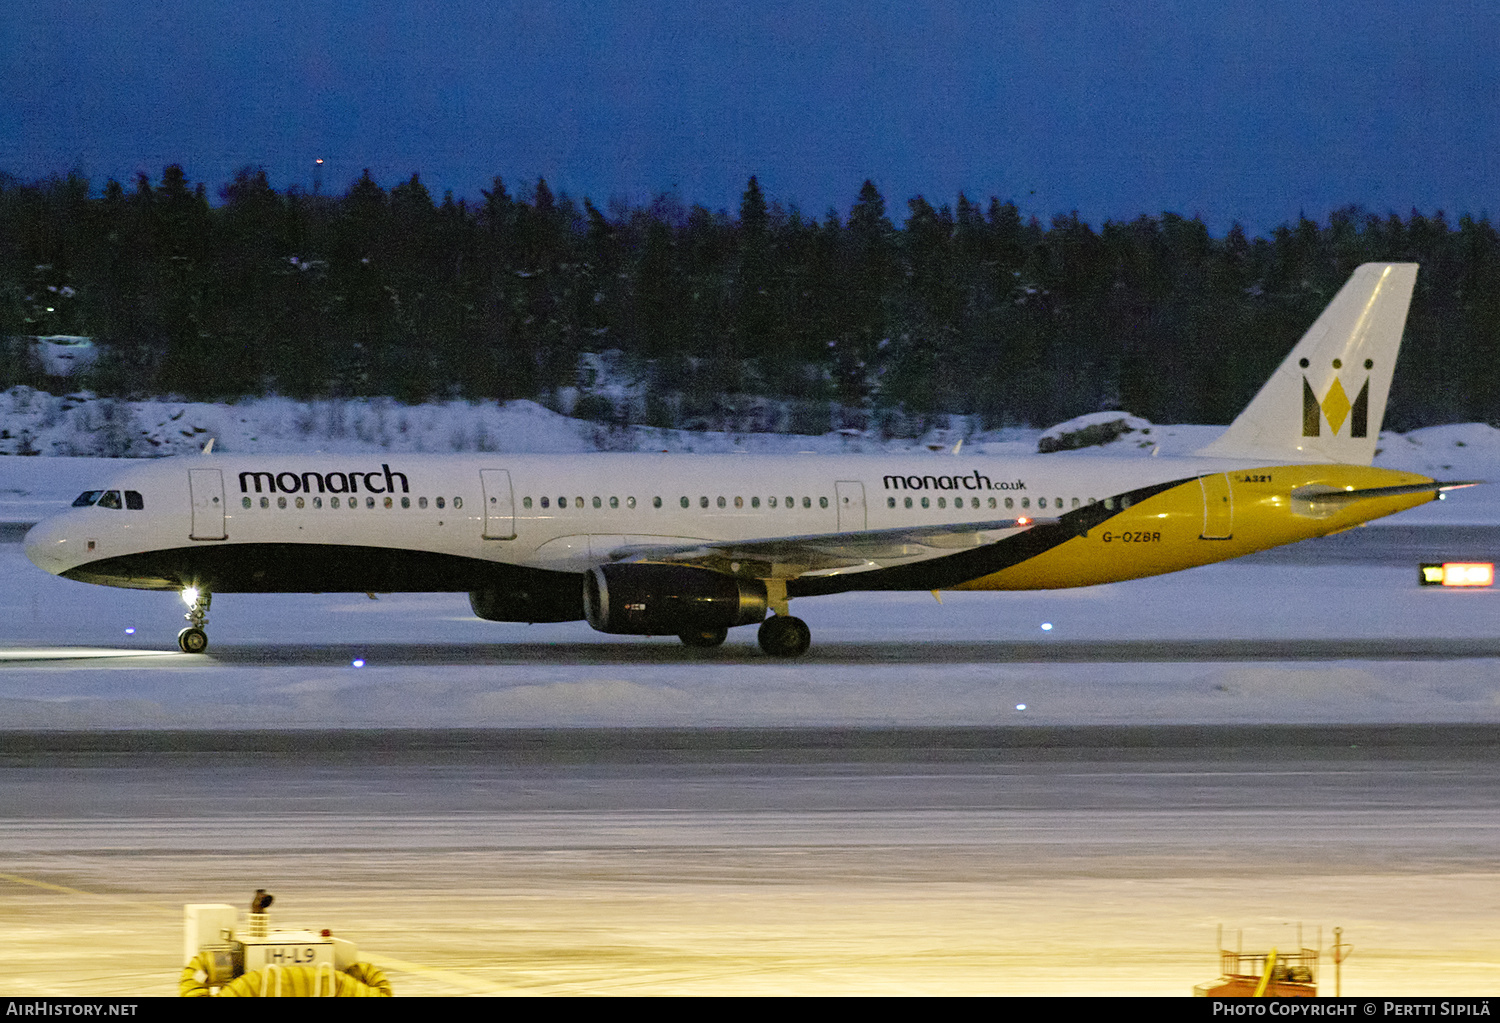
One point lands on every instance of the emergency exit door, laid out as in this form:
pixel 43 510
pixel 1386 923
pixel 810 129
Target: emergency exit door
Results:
pixel 851 498
pixel 499 505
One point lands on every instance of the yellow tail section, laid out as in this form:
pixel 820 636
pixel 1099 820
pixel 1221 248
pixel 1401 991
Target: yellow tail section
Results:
pixel 1215 518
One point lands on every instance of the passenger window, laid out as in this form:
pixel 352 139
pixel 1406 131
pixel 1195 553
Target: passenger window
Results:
pixel 265 502
pixel 245 502
pixel 1025 502
pixel 525 502
pixel 739 502
pixel 629 502
pixel 281 502
pixel 422 502
pixel 318 502
pixel 771 501
pixel 703 502
pixel 134 501
pixel 369 502
pixel 388 503
pixel 942 502
pixel 614 502
pixel 406 502
pixel 562 502
pixel 301 503
pixel 684 502
pixel 755 502
pixel 333 502
pixel 890 502
pixel 791 502
pixel 598 503
pixel 110 499
pixel 807 502
pixel 908 502
pixel 87 498
pixel 925 503
pixel 1075 502
pixel 458 502
pixel 822 502
pixel 1010 502
pixel 992 502
pixel 721 502
pixel 439 502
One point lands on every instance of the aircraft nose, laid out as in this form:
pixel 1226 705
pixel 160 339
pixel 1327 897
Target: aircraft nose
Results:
pixel 45 546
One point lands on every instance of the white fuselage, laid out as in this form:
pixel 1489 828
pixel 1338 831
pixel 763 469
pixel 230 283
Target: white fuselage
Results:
pixel 566 513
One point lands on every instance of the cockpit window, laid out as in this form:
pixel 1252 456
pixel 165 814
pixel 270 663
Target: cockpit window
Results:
pixel 134 501
pixel 87 498
pixel 110 499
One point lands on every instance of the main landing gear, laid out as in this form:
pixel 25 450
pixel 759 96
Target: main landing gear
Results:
pixel 784 636
pixel 193 640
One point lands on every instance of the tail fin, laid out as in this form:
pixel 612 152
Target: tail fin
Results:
pixel 1325 403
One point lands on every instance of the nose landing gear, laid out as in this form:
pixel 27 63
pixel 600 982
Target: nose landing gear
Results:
pixel 193 640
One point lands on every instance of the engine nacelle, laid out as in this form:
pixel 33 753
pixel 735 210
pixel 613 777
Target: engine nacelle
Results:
pixel 666 600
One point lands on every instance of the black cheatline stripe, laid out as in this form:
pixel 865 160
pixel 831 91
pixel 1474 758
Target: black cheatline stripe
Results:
pixel 939 573
pixel 318 568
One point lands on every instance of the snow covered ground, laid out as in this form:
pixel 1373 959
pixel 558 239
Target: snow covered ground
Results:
pixel 1230 643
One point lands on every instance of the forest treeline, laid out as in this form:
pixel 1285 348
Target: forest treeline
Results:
pixel 764 318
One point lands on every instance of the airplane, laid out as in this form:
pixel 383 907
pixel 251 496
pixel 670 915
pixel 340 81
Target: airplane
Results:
pixel 692 546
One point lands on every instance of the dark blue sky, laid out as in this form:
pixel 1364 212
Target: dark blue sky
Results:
pixel 1250 111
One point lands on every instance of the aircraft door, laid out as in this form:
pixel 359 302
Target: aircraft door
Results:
pixel 207 489
pixel 851 501
pixel 1218 507
pixel 499 505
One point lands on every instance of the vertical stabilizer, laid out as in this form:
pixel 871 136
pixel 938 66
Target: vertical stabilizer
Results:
pixel 1326 401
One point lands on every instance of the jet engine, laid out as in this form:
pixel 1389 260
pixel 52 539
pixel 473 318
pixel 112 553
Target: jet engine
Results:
pixel 666 600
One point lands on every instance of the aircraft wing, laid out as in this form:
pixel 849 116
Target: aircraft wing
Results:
pixel 830 553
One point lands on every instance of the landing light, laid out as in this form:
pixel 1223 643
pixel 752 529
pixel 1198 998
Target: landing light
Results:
pixel 1046 626
pixel 190 595
pixel 1458 573
pixel 1020 706
pixel 358 662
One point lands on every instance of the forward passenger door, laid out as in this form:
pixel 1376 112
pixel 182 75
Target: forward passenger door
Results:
pixel 207 489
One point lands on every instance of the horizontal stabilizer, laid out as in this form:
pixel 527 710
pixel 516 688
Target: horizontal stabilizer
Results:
pixel 1328 496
